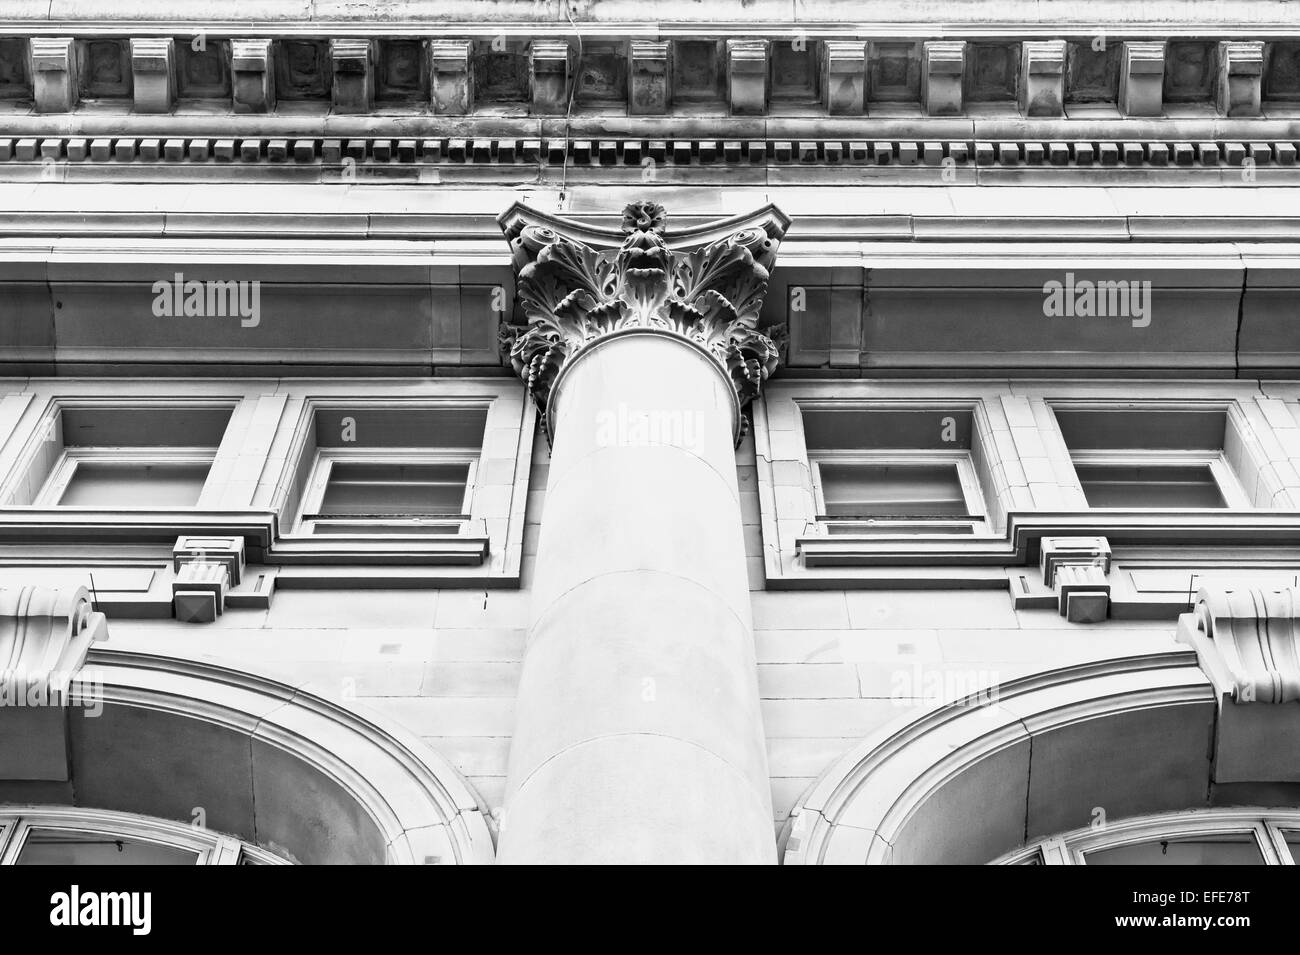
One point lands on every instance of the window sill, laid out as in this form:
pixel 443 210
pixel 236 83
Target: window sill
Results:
pixel 260 530
pixel 1019 547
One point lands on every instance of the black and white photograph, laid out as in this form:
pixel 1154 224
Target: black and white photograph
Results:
pixel 673 433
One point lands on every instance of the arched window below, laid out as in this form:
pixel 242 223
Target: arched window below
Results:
pixel 1199 837
pixel 56 835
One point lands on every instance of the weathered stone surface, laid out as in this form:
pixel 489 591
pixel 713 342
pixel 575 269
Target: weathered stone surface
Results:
pixel 747 76
pixel 650 89
pixel 551 63
pixel 54 74
pixel 252 76
pixel 1042 78
pixel 451 62
pixel 1141 79
pixel 1241 77
pixel 354 81
pixel 154 74
pixel 943 67
pixel 844 77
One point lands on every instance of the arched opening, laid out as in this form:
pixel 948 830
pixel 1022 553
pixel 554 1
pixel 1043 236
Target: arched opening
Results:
pixel 280 770
pixel 972 781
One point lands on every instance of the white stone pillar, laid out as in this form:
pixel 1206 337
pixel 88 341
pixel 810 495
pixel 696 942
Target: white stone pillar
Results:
pixel 638 734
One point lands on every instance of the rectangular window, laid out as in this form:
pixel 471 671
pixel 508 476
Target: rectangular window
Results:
pixel 91 483
pixel 1145 458
pixel 894 471
pixel 142 456
pixel 367 491
pixel 897 489
pixel 384 470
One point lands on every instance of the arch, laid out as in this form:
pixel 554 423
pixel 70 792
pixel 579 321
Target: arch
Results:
pixel 263 761
pixel 969 781
pixel 1241 835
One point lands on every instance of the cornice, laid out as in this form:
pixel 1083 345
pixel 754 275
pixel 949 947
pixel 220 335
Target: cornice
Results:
pixel 776 69
pixel 407 161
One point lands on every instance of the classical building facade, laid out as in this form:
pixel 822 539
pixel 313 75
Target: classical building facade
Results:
pixel 552 432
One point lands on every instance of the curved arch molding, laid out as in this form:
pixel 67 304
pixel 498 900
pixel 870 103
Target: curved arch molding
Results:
pixel 286 770
pixel 966 783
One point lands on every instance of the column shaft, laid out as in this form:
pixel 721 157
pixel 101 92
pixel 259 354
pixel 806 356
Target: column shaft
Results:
pixel 638 736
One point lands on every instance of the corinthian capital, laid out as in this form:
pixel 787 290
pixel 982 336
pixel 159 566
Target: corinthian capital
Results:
pixel 578 284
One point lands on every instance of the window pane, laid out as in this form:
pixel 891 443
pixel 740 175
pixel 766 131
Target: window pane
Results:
pixel 104 484
pixel 65 847
pixel 892 490
pixel 1292 837
pixel 369 489
pixel 1233 848
pixel 1149 486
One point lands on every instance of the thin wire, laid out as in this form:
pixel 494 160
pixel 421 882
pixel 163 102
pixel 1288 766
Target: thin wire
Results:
pixel 568 113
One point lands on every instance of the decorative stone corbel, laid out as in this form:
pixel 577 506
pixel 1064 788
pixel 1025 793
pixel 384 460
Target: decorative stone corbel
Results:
pixel 45 634
pixel 1247 642
pixel 252 76
pixel 452 83
pixel 1241 77
pixel 54 74
pixel 206 568
pixel 747 76
pixel 551 64
pixel 1246 639
pixel 943 68
pixel 649 82
pixel 578 284
pixel 1142 78
pixel 1042 78
pixel 1076 568
pixel 354 81
pixel 844 77
pixel 153 74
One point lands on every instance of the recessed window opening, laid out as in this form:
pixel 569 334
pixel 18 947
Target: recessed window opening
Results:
pixel 1151 458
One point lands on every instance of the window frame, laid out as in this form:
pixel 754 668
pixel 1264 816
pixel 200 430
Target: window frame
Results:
pixel 210 848
pixel 1266 826
pixel 309 521
pixel 975 518
pixel 71 458
pixel 1234 495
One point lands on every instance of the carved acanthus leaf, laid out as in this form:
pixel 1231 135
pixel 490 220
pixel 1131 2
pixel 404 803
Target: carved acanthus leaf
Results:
pixel 711 295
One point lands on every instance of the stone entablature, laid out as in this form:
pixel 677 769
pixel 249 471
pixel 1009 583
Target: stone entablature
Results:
pixel 453 158
pixel 712 71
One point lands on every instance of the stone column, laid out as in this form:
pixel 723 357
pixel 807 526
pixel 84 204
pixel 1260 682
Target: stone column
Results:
pixel 638 734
